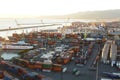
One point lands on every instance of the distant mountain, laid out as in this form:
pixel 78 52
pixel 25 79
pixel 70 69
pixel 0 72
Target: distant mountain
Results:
pixel 106 14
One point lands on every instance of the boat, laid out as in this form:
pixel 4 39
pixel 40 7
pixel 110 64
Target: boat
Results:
pixel 20 45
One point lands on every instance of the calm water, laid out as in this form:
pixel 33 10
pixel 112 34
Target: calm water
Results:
pixel 8 55
pixel 13 23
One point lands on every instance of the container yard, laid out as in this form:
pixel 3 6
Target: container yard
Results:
pixel 45 55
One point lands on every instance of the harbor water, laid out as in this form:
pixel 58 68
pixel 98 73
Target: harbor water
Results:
pixel 25 22
pixel 9 55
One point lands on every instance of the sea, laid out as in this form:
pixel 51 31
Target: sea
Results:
pixel 9 55
pixel 6 23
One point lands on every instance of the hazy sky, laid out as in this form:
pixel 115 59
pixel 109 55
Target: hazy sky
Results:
pixel 53 7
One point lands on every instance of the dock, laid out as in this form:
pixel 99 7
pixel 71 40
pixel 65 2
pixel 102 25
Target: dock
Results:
pixel 17 28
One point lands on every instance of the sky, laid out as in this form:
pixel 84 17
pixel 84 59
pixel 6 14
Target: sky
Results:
pixel 19 8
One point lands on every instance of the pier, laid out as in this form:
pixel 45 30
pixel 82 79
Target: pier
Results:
pixel 17 28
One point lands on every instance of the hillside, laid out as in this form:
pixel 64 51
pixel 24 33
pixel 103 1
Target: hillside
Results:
pixel 106 14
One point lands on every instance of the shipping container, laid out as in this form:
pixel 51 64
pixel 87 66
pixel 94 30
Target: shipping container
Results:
pixel 76 49
pixel 67 35
pixel 21 62
pixel 51 35
pixel 50 42
pixel 35 65
pixel 66 60
pixel 12 69
pixel 15 35
pixel 57 67
pixel 1 75
pixel 47 67
pixel 59 60
pixel 22 73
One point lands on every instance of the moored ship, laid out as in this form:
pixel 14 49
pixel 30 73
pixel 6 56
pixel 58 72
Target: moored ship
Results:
pixel 20 45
